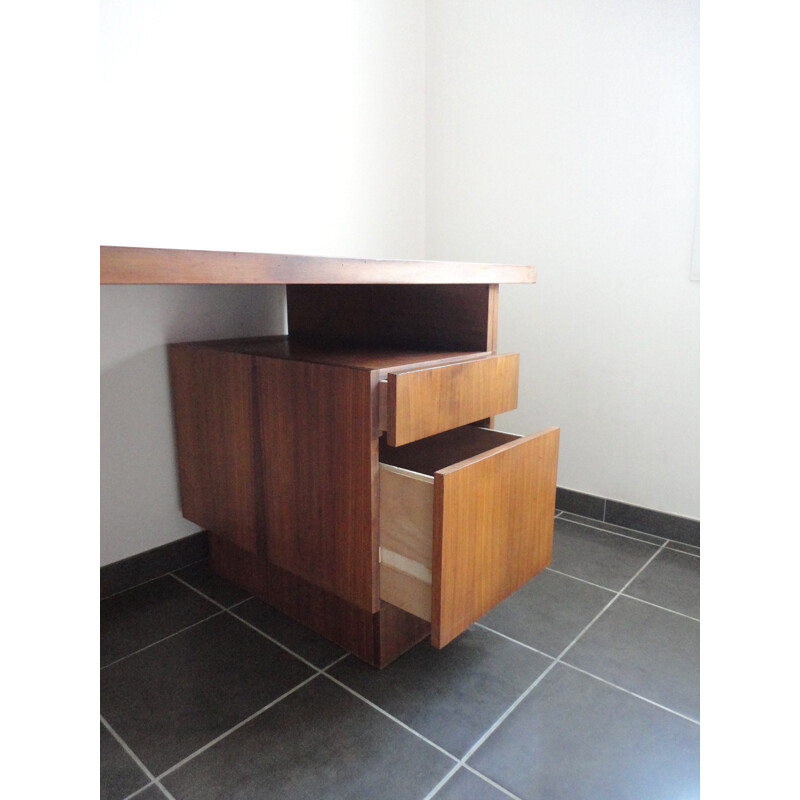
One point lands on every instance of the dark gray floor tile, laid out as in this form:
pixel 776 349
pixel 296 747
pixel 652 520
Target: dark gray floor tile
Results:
pixel 204 580
pixel 548 612
pixel 671 580
pixel 320 742
pixel 646 650
pixel 607 526
pixel 170 699
pixel 465 785
pixel 670 526
pixel 575 737
pixel 452 695
pixel 119 773
pixel 593 555
pixel 130 572
pixel 143 615
pixel 291 634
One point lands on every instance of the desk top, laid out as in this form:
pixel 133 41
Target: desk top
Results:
pixel 147 265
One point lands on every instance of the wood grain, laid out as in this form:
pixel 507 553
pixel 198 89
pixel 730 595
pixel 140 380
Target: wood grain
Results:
pixel 493 529
pixel 319 457
pixel 422 402
pixel 143 265
pixel 406 514
pixel 214 415
pixel 406 591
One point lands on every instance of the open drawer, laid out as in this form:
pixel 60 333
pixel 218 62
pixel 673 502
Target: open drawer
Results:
pixel 466 517
pixel 416 403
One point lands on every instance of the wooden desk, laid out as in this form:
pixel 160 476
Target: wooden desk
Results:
pixel 348 473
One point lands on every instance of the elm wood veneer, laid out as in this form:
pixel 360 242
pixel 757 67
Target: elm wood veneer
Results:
pixel 279 441
pixel 422 402
pixel 455 544
pixel 151 265
pixel 316 432
pixel 215 418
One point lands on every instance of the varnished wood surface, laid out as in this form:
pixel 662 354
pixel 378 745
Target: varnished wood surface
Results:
pixel 477 534
pixel 148 265
pixel 493 529
pixel 422 402
pixel 374 357
pixel 214 417
pixel 442 317
pixel 316 437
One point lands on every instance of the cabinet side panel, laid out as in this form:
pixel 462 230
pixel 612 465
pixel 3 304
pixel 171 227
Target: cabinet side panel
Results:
pixel 493 529
pixel 318 464
pixel 212 394
pixel 449 317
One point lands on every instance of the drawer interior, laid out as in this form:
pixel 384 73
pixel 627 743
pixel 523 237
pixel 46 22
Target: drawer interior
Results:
pixel 407 509
pixel 433 453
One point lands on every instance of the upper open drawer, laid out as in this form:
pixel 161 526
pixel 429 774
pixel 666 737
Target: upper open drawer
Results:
pixel 417 403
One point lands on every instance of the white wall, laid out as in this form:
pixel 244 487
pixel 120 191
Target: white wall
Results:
pixel 139 507
pixel 566 135
pixel 266 126
pixel 559 134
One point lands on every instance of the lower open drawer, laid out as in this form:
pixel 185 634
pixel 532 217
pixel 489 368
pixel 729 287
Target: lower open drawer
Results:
pixel 466 517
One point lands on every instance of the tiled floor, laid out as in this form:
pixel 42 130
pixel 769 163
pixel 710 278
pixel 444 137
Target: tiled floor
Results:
pixel 583 684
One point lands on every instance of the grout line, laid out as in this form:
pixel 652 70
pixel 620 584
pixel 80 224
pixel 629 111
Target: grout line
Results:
pixel 241 602
pixel 589 520
pixel 142 790
pixel 135 586
pixel 163 639
pixel 629 596
pixel 490 781
pixel 202 594
pixel 225 734
pixel 628 691
pixel 433 792
pixel 275 641
pixel 624 535
pixel 229 610
pixel 150 580
pixel 138 761
pixel 323 671
pixel 390 716
pixel 662 608
pixel 582 580
pixel 512 639
pixel 236 727
pixel 679 550
pixel 561 655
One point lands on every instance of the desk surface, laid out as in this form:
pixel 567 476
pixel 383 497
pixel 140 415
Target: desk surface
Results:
pixel 147 265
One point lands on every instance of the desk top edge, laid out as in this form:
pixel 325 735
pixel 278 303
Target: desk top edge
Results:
pixel 148 265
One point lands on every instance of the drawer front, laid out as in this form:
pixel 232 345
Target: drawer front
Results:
pixel 456 543
pixel 423 402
